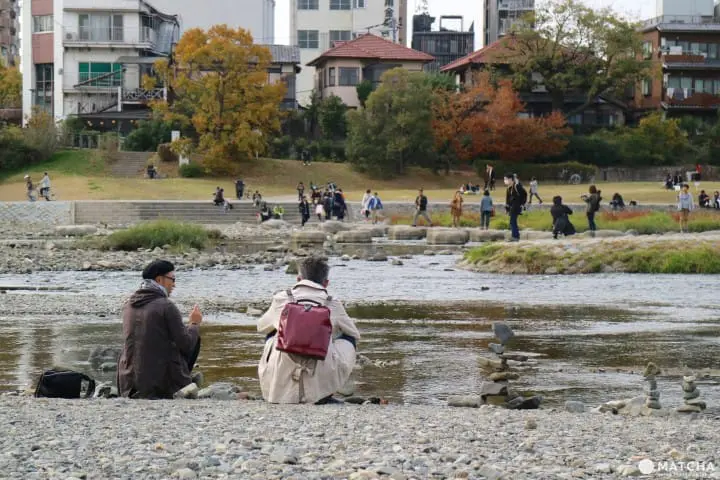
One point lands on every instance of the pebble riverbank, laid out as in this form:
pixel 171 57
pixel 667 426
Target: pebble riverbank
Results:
pixel 100 439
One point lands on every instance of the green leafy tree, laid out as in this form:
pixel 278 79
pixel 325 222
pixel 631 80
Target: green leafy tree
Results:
pixel 10 87
pixel 577 49
pixel 148 135
pixel 364 89
pixel 331 114
pixel 394 131
pixel 441 82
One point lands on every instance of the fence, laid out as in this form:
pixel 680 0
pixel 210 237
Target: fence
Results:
pixel 90 140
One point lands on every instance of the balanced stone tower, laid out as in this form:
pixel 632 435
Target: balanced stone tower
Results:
pixel 693 402
pixel 653 394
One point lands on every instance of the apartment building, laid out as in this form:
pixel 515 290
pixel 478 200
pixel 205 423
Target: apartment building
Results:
pixel 256 16
pixel 446 44
pixel 502 15
pixel 87 57
pixel 684 45
pixel 315 26
pixel 9 38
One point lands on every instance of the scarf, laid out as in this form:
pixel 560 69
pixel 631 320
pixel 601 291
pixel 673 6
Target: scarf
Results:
pixel 153 285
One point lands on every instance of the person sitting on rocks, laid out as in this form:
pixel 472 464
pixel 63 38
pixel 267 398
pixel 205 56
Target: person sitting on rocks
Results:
pixel 617 202
pixel 704 199
pixel 561 220
pixel 159 351
pixel 292 378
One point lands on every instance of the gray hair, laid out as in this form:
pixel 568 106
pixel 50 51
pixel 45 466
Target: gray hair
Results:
pixel 314 269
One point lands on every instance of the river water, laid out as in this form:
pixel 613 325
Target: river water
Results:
pixel 588 336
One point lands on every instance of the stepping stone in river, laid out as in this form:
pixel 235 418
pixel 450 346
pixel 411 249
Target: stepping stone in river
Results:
pixel 502 332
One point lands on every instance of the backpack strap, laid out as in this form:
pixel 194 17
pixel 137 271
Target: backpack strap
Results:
pixel 291 298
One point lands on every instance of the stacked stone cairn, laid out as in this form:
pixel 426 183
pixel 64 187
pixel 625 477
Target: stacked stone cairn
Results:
pixel 498 391
pixel 653 394
pixel 691 395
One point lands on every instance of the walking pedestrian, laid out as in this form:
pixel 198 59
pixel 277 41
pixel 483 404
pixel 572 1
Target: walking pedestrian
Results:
pixel 593 206
pixel 487 210
pixel 421 203
pixel 304 210
pixel 29 187
pixel 375 205
pixel 456 208
pixel 534 191
pixel 364 210
pixel 300 190
pixel 685 205
pixel 515 200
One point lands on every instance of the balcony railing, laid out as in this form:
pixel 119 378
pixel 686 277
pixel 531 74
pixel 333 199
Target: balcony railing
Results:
pixel 142 96
pixel 516 5
pixel 681 19
pixel 126 35
pixel 690 97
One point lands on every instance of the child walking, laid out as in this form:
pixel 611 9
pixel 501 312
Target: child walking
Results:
pixel 486 210
pixel 685 205
pixel 534 191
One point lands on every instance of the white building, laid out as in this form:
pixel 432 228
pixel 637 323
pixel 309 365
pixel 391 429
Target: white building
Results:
pixel 685 8
pixel 316 24
pixel 257 16
pixel 84 57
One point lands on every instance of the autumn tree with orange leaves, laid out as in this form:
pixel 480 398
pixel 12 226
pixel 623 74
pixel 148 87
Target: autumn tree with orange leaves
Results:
pixel 484 121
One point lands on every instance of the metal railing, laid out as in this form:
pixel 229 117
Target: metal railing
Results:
pixel 682 19
pixel 83 34
pixel 677 94
pixel 141 95
pixel 517 5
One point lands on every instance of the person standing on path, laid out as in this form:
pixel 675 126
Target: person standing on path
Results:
pixel 421 203
pixel 301 190
pixel 515 200
pixel 364 210
pixel 374 206
pixel 45 187
pixel 593 206
pixel 29 187
pixel 685 206
pixel 489 177
pixel 534 191
pixel 456 209
pixel 486 210
pixel 304 210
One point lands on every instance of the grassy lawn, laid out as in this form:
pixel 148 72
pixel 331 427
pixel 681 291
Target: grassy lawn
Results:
pixel 82 175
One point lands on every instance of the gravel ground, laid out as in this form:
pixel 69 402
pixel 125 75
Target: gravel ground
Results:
pixel 253 440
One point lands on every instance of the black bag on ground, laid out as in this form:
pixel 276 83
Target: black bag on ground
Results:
pixel 63 384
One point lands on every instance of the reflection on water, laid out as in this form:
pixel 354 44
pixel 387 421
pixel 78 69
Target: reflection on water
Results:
pixel 430 318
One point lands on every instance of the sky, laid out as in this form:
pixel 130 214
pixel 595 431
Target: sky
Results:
pixel 471 10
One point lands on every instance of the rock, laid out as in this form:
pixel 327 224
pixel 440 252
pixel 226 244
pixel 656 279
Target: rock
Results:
pixel 396 262
pixel 603 468
pixel 654 404
pixel 105 390
pixel 530 424
pixel 689 409
pixel 447 236
pixel 345 258
pixel 275 224
pixel 354 236
pixel 429 253
pixel 378 257
pixel 490 473
pixel 477 235
pixel 75 230
pixel 628 471
pixel 220 391
pixel 492 388
pixel 574 406
pixel 307 238
pixel 633 407
pixel 503 376
pixel 292 267
pixel 254 312
pixel 86 267
pixel 520 403
pixel 496 348
pixel 690 379
pixel 489 363
pixel 697 403
pixel 402 232
pixel 502 332
pixel 108 367
pixel 376 231
pixel 101 355
pixel 187 392
pixel 333 227
pixel 691 395
pixel 651 370
pixel 465 401
pixel 515 358
pixel 184 474
pixel 608 233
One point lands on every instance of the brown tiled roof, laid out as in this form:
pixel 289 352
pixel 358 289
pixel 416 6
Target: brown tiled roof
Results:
pixel 369 46
pixel 496 52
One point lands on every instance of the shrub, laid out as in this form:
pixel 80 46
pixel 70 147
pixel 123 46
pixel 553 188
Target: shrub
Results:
pixel 281 147
pixel 158 234
pixel 148 136
pixel 549 172
pixel 15 152
pixel 192 170
pixel 166 154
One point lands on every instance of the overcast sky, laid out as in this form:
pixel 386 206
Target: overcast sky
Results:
pixel 469 9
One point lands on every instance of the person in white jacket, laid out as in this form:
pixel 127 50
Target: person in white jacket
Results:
pixel 289 378
pixel 364 210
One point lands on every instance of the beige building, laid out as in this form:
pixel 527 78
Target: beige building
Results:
pixel 340 70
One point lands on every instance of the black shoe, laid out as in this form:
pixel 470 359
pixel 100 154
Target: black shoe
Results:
pixel 329 400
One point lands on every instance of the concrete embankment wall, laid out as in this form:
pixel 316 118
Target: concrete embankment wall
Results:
pixel 128 212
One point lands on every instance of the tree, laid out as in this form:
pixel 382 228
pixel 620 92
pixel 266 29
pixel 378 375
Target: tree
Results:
pixel 395 128
pixel 148 135
pixel 441 81
pixel 577 49
pixel 10 87
pixel 219 85
pixel 485 121
pixel 364 89
pixel 331 115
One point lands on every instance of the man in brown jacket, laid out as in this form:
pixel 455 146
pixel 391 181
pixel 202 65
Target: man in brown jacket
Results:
pixel 159 351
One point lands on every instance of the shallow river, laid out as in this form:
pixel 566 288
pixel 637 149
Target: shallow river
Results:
pixel 588 334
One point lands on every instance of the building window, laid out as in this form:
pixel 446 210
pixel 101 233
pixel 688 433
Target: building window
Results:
pixel 43 95
pixel 349 77
pixel 389 3
pixel 102 27
pixel 647 50
pixel 360 3
pixel 308 4
pixel 713 51
pixel 331 77
pixel 100 74
pixel 339 4
pixel 647 87
pixel 42 23
pixel 308 39
pixel 339 36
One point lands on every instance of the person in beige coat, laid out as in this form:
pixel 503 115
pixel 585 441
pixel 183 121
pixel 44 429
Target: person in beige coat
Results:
pixel 289 378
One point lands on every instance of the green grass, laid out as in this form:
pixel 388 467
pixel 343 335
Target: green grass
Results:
pixel 68 162
pixel 179 236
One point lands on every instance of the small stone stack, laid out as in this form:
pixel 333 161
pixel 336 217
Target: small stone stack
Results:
pixel 693 402
pixel 653 394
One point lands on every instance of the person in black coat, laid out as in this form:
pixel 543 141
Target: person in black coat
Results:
pixel 561 220
pixel 304 210
pixel 515 199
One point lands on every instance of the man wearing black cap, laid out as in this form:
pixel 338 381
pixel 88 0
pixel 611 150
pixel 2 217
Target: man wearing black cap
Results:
pixel 159 351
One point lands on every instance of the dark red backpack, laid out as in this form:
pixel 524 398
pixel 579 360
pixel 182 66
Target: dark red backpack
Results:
pixel 305 328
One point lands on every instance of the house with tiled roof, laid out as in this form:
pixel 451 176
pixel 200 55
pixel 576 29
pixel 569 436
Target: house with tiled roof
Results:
pixel 339 70
pixel 499 56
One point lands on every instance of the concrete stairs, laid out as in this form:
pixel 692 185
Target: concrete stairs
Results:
pixel 129 164
pixel 124 212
